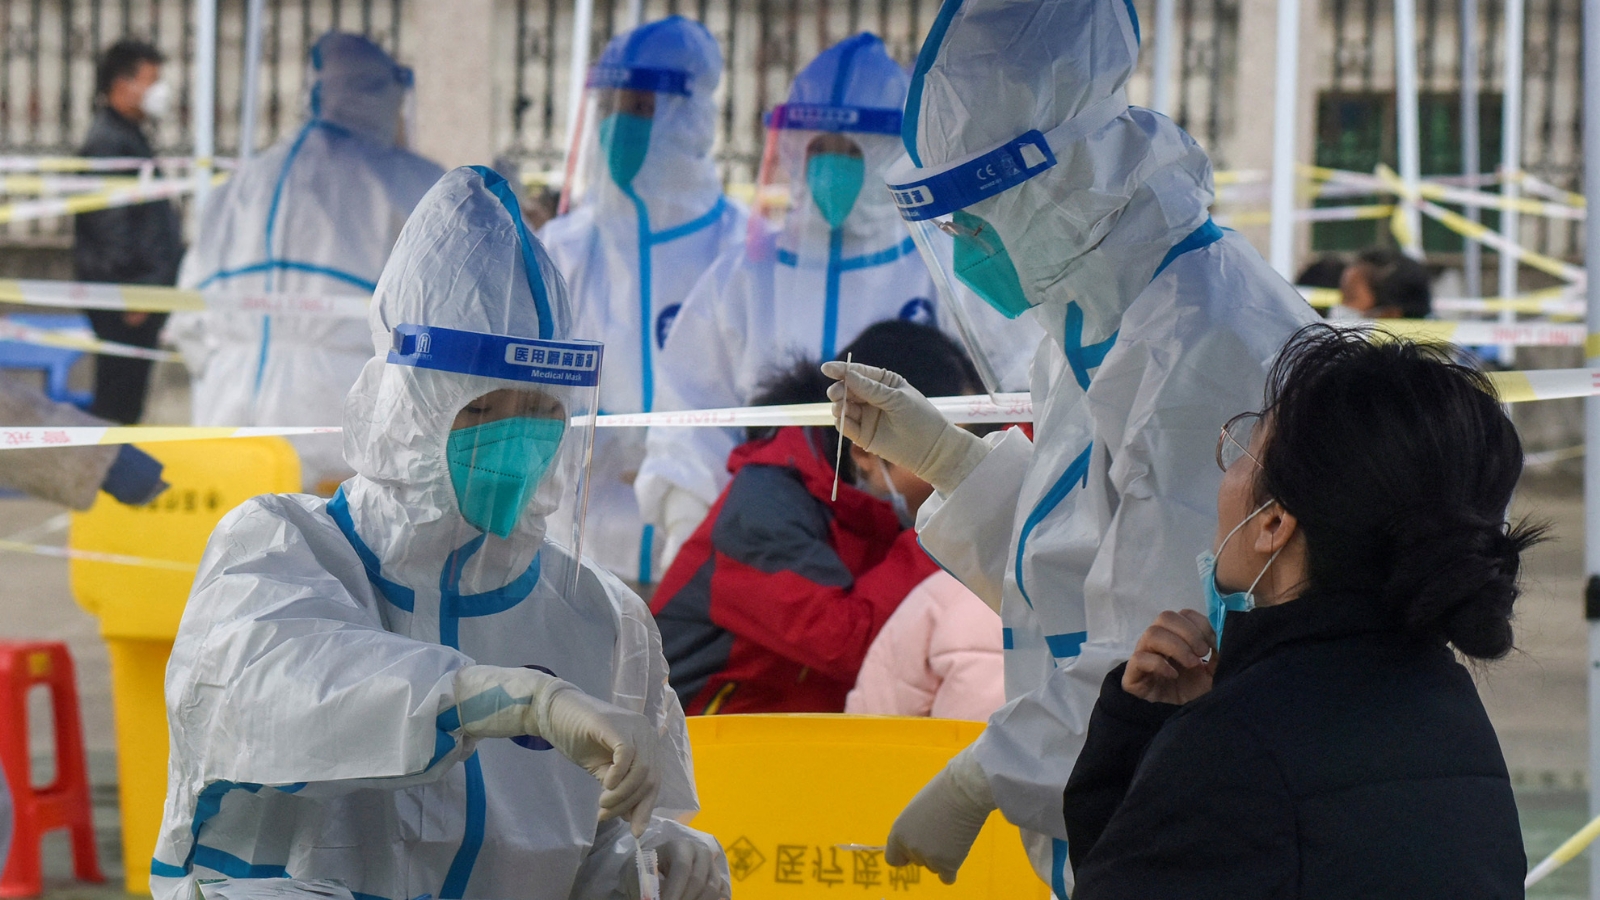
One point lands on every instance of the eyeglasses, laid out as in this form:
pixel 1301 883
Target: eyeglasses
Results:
pixel 1234 441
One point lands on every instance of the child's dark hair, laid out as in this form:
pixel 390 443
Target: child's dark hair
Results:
pixel 927 357
pixel 1399 466
pixel 1398 282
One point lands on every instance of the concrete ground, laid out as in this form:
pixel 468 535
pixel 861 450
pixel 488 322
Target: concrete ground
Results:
pixel 1536 698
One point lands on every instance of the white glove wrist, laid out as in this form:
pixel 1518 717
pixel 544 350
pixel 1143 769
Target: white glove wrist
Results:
pixel 951 459
pixel 496 701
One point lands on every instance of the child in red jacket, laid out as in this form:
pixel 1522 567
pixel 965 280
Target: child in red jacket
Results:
pixel 772 604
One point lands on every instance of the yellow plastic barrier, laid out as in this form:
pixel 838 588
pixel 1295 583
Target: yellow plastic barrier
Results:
pixel 783 793
pixel 139 607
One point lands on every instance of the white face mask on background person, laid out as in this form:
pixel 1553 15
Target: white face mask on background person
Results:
pixel 157 100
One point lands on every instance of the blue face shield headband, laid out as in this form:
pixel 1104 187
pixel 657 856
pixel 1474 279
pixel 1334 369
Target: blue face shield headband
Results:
pixel 496 467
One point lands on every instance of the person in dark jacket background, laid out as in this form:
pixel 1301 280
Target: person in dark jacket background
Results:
pixel 1333 746
pixel 776 597
pixel 140 244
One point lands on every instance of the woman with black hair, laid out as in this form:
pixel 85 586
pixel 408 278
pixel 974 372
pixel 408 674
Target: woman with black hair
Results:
pixel 1331 745
pixel 777 596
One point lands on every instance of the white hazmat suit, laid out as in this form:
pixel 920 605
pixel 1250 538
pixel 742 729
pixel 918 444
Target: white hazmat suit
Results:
pixel 316 213
pixel 347 673
pixel 805 287
pixel 631 250
pixel 1161 327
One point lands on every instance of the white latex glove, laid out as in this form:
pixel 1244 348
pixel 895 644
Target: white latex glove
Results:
pixel 683 512
pixel 886 416
pixel 618 747
pixel 689 871
pixel 938 826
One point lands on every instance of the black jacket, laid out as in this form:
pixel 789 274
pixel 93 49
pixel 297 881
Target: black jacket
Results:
pixel 1335 757
pixel 140 244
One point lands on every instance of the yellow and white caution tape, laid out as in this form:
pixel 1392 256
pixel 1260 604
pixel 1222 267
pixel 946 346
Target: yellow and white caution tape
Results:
pixel 78 339
pixel 94 556
pixel 147 298
pixel 80 436
pixel 1556 301
pixel 36 185
pixel 1535 185
pixel 162 189
pixel 1546 384
pixel 1494 240
pixel 961 410
pixel 1478 334
pixel 104 163
pixel 1564 853
pixel 1313 214
pixel 1512 387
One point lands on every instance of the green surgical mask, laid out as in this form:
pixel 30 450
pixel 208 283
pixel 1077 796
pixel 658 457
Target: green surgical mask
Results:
pixel 625 139
pixel 983 264
pixel 835 181
pixel 495 468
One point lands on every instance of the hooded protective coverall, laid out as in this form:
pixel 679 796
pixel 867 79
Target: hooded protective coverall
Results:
pixel 633 248
pixel 314 214
pixel 326 690
pixel 1161 327
pixel 803 288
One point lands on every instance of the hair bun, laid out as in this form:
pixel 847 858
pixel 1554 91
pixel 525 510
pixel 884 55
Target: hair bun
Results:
pixel 1455 576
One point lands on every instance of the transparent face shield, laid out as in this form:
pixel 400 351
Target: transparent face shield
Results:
pixel 519 446
pixel 614 128
pixel 815 173
pixel 972 268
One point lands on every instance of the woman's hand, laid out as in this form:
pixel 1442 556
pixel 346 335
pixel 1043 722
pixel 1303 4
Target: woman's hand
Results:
pixel 1173 662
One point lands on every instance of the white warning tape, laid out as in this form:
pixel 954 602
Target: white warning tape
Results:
pixel 162 189
pixel 78 339
pixel 961 410
pixel 88 436
pixel 1478 334
pixel 95 556
pixel 146 298
pixel 50 185
pixel 1512 387
pixel 104 163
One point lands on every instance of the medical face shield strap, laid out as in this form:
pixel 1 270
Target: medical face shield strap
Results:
pixel 545 466
pixel 926 195
pixel 602 81
pixel 822 117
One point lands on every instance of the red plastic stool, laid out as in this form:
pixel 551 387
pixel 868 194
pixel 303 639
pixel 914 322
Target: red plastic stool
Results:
pixel 61 804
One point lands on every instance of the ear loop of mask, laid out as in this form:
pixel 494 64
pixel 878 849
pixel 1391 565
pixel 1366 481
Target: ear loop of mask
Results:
pixel 1251 590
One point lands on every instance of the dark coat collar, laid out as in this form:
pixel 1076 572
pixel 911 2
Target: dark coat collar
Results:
pixel 1249 637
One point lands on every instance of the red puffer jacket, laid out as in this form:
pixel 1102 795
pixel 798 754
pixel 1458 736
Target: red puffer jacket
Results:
pixel 772 604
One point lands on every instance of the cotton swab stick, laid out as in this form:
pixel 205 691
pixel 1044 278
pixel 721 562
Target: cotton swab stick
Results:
pixel 838 454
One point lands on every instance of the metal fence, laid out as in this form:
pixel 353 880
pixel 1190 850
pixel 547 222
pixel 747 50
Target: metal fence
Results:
pixel 1355 112
pixel 48 48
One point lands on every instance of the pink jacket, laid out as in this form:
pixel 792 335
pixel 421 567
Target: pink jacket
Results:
pixel 939 655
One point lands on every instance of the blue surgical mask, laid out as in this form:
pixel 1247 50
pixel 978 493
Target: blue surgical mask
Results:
pixel 625 139
pixel 1217 603
pixel 835 181
pixel 983 264
pixel 496 467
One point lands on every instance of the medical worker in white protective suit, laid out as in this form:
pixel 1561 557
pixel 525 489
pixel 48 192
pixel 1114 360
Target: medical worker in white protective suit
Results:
pixel 813 275
pixel 648 218
pixel 1071 207
pixel 401 688
pixel 314 214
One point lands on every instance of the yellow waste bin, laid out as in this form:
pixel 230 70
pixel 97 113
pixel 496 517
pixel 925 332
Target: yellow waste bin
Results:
pixel 139 605
pixel 802 804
